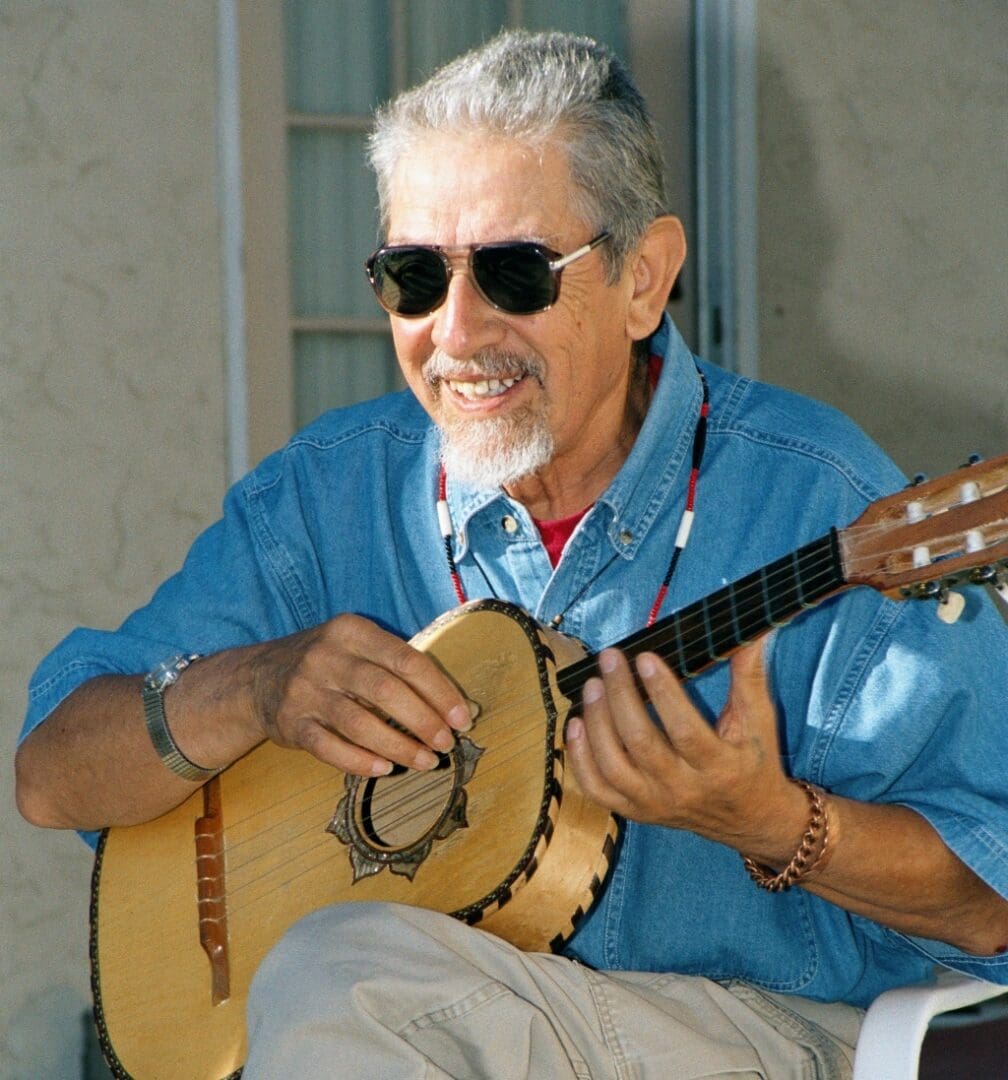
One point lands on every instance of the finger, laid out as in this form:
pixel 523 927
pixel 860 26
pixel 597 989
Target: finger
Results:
pixel 639 739
pixel 358 725
pixel 332 749
pixel 327 723
pixel 581 753
pixel 750 711
pixel 688 732
pixel 374 687
pixel 380 669
pixel 433 685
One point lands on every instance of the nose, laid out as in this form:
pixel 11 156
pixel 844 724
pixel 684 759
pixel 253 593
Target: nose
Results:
pixel 465 323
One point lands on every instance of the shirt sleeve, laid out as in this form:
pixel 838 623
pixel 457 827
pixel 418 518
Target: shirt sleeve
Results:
pixel 909 711
pixel 237 585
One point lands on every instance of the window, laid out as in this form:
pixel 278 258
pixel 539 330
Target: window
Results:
pixel 311 71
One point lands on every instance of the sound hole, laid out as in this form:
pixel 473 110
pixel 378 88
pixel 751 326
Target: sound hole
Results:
pixel 398 810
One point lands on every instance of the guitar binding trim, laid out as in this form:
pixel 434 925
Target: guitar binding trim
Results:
pixel 529 860
pixel 104 1041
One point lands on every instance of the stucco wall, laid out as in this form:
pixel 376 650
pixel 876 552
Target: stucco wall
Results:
pixel 111 415
pixel 882 209
pixel 883 137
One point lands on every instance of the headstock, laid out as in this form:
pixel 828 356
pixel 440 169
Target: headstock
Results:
pixel 933 535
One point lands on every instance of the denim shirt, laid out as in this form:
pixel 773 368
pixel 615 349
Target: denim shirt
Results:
pixel 878 700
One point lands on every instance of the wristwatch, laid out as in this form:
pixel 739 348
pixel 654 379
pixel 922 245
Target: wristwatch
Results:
pixel 155 683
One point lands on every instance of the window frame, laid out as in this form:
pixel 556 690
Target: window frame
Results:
pixel 261 323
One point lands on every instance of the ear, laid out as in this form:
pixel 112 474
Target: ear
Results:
pixel 653 267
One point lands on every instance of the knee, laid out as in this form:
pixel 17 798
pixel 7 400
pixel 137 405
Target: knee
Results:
pixel 336 932
pixel 332 943
pixel 346 922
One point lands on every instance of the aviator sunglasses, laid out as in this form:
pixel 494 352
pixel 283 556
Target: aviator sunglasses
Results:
pixel 515 276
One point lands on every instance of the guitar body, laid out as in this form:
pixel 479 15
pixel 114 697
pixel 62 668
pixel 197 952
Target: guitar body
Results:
pixel 185 907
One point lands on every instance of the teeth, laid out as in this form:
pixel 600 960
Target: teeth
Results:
pixel 483 388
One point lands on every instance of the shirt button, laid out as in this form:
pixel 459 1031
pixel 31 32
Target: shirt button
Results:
pixel 508 524
pixel 626 537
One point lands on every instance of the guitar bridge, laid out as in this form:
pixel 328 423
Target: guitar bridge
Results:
pixel 211 903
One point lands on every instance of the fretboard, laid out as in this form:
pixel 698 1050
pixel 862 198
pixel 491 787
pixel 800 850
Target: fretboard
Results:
pixel 700 634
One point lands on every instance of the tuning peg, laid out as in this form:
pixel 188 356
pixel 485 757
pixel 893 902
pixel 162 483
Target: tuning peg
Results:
pixel 926 590
pixel 973 459
pixel 950 605
pixel 919 479
pixel 1001 581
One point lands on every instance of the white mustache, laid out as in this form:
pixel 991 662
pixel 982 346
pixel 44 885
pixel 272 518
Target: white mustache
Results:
pixel 492 364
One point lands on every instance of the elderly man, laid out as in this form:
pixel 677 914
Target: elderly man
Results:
pixel 826 823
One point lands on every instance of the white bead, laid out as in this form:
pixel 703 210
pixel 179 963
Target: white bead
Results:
pixel 685 525
pixel 444 518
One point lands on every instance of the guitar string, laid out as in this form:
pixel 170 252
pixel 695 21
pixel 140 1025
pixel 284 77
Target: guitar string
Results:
pixel 335 852
pixel 518 720
pixel 331 851
pixel 414 795
pixel 309 825
pixel 391 807
pixel 739 595
pixel 657 634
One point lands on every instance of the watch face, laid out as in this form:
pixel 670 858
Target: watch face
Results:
pixel 162 676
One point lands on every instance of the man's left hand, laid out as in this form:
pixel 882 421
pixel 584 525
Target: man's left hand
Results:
pixel 724 782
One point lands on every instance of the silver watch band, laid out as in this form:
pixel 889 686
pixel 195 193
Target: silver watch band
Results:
pixel 153 691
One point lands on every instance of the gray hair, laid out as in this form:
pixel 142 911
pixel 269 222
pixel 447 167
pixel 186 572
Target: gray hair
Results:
pixel 538 88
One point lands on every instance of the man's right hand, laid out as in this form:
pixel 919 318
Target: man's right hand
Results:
pixel 332 691
pixel 347 692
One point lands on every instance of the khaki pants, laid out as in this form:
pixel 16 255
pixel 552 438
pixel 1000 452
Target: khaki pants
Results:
pixel 382 991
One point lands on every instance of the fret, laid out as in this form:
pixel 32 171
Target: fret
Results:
pixel 786 597
pixel 697 653
pixel 721 608
pixel 751 616
pixel 708 636
pixel 702 633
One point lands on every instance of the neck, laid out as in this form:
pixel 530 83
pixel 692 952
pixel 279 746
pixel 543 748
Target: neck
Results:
pixel 570 482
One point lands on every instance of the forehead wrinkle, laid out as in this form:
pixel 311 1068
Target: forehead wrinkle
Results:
pixel 461 192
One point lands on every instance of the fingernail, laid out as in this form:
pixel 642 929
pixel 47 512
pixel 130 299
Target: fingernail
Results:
pixel 381 768
pixel 607 662
pixel 425 761
pixel 575 728
pixel 646 666
pixel 460 718
pixel 443 741
pixel 593 691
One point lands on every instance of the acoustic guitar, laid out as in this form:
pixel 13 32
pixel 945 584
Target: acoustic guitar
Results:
pixel 185 907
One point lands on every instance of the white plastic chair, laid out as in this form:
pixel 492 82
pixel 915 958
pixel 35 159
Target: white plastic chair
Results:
pixel 894 1027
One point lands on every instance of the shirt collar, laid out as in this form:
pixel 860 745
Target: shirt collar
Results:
pixel 640 490
pixel 641 487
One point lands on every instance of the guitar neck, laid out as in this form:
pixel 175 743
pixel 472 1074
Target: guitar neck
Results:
pixel 709 630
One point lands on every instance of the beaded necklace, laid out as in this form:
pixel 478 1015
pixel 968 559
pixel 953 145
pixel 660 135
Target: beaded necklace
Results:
pixel 682 534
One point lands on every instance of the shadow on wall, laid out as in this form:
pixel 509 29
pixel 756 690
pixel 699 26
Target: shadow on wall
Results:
pixel 873 322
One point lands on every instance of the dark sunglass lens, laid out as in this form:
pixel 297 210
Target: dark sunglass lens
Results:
pixel 409 281
pixel 515 277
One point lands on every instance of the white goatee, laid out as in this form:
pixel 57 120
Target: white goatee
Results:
pixel 494 451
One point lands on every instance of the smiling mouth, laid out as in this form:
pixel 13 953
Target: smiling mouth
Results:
pixel 482 388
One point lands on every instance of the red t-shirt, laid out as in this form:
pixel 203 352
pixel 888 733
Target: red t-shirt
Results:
pixel 556 533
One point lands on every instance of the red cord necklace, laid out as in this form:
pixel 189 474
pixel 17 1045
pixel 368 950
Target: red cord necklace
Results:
pixel 682 534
